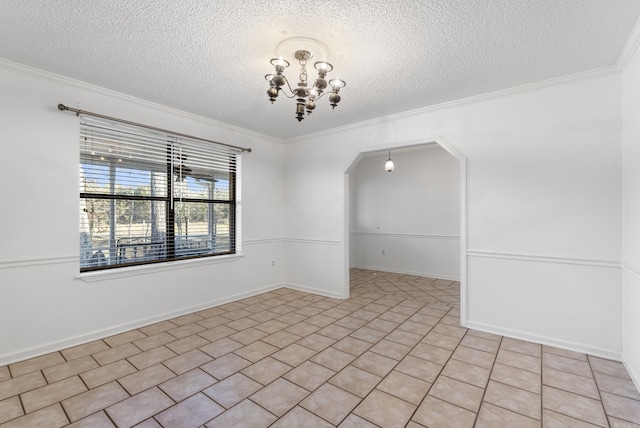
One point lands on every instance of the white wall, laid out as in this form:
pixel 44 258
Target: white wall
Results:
pixel 44 306
pixel 543 207
pixel 631 217
pixel 408 220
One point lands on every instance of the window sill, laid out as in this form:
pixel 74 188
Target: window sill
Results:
pixel 125 272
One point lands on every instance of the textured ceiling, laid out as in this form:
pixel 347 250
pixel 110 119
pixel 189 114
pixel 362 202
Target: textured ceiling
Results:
pixel 210 57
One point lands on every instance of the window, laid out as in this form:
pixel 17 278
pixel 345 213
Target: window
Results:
pixel 147 197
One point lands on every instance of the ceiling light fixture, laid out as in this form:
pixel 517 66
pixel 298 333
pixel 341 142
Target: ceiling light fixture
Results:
pixel 306 93
pixel 389 166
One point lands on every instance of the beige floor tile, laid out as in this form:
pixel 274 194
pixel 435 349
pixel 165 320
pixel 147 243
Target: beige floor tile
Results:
pixel 385 410
pixel 136 409
pixel 35 364
pixel 225 366
pixel 72 368
pixel 518 378
pixel 187 384
pixel 419 368
pixel 232 390
pixel 187 361
pixel 431 353
pixel 154 341
pixel 333 359
pixel 458 393
pixel 427 319
pixel 484 335
pixel 118 353
pixel 266 370
pixel 382 325
pixel 299 417
pixel 156 328
pixel 368 334
pixel 151 357
pixel 514 399
pixel 405 387
pixel 217 333
pixel 4 373
pixel 351 345
pixel 570 382
pixel 294 354
pixel 515 345
pixel 612 368
pixel 50 417
pixel 440 414
pixel 442 341
pixel 94 400
pixel 272 326
pixel 105 374
pixel 481 344
pixel 186 319
pixel 309 375
pixel 330 403
pixel 335 332
pixel 457 332
pixel 353 421
pixel 51 394
pixel 375 363
pixel 618 423
pixel 520 361
pixel 491 416
pixel 187 344
pixel 97 420
pixel 474 356
pixel 316 342
pixel 556 420
pixel 564 352
pixel 10 409
pixel 248 336
pixel 356 381
pixel 390 349
pixel 241 324
pixel 576 406
pixel 617 385
pixel 292 318
pixel 246 414
pixel 302 329
pixel 122 338
pixel 21 384
pixel 84 350
pixel 568 365
pixel 393 317
pixel 145 379
pixel 621 407
pixel 221 347
pixel 465 372
pixel 351 323
pixel 256 351
pixel 280 396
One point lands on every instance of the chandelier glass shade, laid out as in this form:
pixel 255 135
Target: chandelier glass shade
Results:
pixel 307 91
pixel 389 165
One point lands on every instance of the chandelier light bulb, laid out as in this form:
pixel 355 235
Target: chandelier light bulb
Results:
pixel 389 166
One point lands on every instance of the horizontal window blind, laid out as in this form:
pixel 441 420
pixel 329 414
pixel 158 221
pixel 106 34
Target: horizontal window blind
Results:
pixel 147 196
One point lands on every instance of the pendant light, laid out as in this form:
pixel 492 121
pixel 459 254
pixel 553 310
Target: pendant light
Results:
pixel 389 166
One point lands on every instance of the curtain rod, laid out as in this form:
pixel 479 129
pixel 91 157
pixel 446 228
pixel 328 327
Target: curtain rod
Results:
pixel 78 112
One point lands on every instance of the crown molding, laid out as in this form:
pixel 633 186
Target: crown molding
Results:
pixel 571 78
pixel 58 78
pixel 630 48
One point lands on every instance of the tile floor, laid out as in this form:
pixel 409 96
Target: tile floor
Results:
pixel 393 355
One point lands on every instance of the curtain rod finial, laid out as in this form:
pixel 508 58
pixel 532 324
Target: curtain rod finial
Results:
pixel 62 107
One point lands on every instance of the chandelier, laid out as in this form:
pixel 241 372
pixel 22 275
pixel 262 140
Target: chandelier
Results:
pixel 307 92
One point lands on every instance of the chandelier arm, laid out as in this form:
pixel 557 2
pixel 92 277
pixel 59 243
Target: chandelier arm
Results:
pixel 293 94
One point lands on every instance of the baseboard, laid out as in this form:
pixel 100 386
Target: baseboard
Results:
pixel 544 340
pixel 47 348
pixel 425 274
pixel 635 377
pixel 313 290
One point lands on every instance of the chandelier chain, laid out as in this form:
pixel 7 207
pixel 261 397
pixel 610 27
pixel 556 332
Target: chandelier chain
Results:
pixel 303 71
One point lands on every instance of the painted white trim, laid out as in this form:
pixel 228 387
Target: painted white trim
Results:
pixel 545 340
pixel 585 75
pixel 313 290
pixel 422 274
pixel 110 331
pixel 263 241
pixel 635 377
pixel 630 48
pixel 312 241
pixel 10 264
pixel 407 235
pixel 544 259
pixel 630 268
pixel 58 78
pixel 124 272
